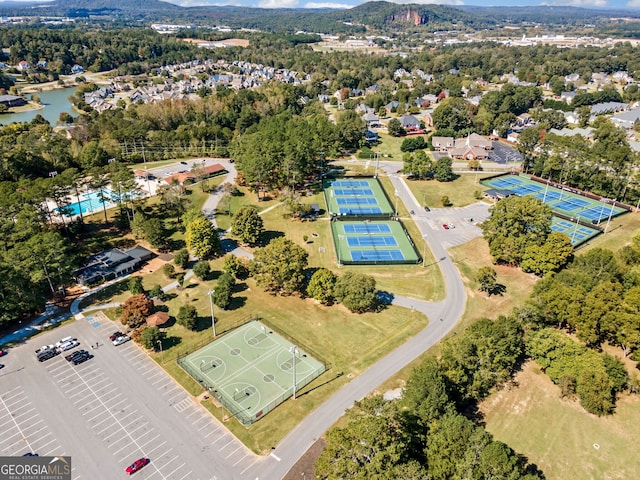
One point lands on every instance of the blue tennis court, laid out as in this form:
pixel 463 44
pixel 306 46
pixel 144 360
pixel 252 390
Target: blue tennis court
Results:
pixel 367 228
pixel 523 190
pixel 376 255
pixel 346 192
pixel 571 204
pixel 350 183
pixel 596 214
pixel 548 196
pixel 576 232
pixel 360 210
pixel 506 182
pixel 377 241
pixel 356 201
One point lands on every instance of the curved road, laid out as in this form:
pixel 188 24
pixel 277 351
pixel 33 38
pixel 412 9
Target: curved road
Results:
pixel 442 316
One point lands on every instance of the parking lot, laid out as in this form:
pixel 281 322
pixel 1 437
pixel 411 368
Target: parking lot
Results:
pixel 109 411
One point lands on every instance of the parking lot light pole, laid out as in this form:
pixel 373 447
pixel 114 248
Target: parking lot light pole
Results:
pixel 396 192
pixel 213 320
pixel 161 351
pixel 293 351
pixel 424 251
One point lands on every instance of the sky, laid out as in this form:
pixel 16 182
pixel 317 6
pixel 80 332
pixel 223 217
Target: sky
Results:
pixel 635 4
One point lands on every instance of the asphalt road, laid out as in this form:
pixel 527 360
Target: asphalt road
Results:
pixel 442 318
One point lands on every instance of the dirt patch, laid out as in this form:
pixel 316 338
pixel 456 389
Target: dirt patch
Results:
pixel 231 42
pixel 151 266
pixel 304 468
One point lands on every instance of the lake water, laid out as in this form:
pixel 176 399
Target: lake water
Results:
pixel 55 102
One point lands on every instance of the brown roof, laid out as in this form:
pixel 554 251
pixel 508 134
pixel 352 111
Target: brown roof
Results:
pixel 157 319
pixel 207 171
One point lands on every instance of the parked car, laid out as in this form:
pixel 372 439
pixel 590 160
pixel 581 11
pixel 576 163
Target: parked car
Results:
pixel 451 226
pixel 121 339
pixel 68 345
pixel 115 335
pixel 75 354
pixel 64 341
pixel 46 354
pixel 445 226
pixel 3 353
pixel 30 454
pixel 81 358
pixel 1 366
pixel 137 465
pixel 427 209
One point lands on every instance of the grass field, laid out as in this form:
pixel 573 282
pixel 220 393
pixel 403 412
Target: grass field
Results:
pixel 348 343
pixel 561 437
pixel 461 192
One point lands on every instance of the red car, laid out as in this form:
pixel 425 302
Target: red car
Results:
pixel 137 465
pixel 445 226
pixel 3 353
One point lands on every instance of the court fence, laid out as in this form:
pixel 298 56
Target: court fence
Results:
pixel 230 403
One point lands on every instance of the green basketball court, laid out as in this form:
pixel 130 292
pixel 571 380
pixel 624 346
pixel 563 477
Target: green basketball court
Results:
pixel 251 370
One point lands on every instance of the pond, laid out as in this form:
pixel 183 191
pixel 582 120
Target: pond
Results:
pixel 55 102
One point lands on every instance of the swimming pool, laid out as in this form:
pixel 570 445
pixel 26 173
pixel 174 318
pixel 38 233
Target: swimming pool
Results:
pixel 90 202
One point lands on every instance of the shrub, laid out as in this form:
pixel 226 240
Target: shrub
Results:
pixel 187 317
pixel 169 270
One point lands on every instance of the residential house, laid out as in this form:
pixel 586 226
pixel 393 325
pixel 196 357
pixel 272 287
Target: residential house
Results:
pixel 76 69
pixel 409 122
pixel 23 66
pixel 513 137
pixel 571 78
pixel 371 119
pixel 608 107
pixel 567 97
pixel 442 144
pixel 626 119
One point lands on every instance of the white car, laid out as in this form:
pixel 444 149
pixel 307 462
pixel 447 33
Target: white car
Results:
pixel 120 340
pixel 68 345
pixel 64 341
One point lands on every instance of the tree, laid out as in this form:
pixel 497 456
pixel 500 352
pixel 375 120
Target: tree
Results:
pixel 444 170
pixel 155 233
pixel 279 267
pixel 150 336
pixel 515 224
pixel 224 290
pixel 452 113
pixel 548 258
pixel 156 292
pixel 202 269
pixel 136 309
pixel 426 392
pixel 202 238
pixel 247 225
pixel 357 292
pixel 321 286
pixel 445 201
pixel 187 317
pixel 486 277
pixel 394 128
pixel 169 270
pixel 351 129
pixel 135 285
pixel 181 258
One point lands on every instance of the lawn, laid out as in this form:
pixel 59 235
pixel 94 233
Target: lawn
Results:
pixel 469 258
pixel 461 192
pixel 389 147
pixel 347 342
pixel 561 437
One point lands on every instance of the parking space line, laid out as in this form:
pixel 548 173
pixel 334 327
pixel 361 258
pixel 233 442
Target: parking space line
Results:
pixel 139 427
pixel 211 432
pixel 159 372
pixel 69 390
pixel 234 451
pixel 37 431
pixel 176 397
pixel 20 407
pixel 204 426
pixel 96 415
pixel 241 459
pixel 154 438
pixel 120 449
pixel 186 475
pixel 20 402
pixel 176 469
pixel 71 397
pixel 103 379
pixel 46 444
pixel 131 422
pixel 170 390
pixel 117 404
pixel 21 414
pixel 101 421
pixel 91 410
pixel 8 392
pixel 226 444
pixel 157 447
pixel 105 429
pixel 224 435
pixel 250 465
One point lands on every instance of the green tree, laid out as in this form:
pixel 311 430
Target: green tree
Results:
pixel 202 269
pixel 356 291
pixel 156 292
pixel 155 233
pixel 426 392
pixel 548 258
pixel 321 286
pixel 452 113
pixel 224 290
pixel 444 170
pixel 487 278
pixel 187 317
pixel 169 270
pixel 394 128
pixel 181 258
pixel 515 224
pixel 150 336
pixel 247 225
pixel 279 266
pixel 202 238
pixel 135 285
